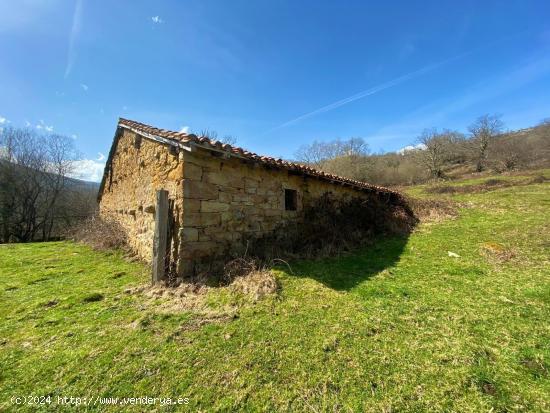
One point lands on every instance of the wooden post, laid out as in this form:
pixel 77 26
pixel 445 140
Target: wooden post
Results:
pixel 161 235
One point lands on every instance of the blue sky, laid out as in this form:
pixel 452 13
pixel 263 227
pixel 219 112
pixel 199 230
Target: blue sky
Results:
pixel 273 74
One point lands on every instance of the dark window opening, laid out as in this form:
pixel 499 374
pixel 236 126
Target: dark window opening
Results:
pixel 291 199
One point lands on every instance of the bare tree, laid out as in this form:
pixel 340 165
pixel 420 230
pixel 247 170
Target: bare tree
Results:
pixel 352 147
pixel 229 140
pixel 317 153
pixel 33 178
pixel 482 131
pixel 542 134
pixel 457 147
pixel 213 135
pixel 208 133
pixel 509 154
pixel 313 154
pixel 434 150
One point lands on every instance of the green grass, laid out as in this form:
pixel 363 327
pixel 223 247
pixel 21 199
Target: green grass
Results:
pixel 399 326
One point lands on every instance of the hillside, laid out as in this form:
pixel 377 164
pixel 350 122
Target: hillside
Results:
pixel 531 146
pixel 41 205
pixel 454 318
pixel 450 155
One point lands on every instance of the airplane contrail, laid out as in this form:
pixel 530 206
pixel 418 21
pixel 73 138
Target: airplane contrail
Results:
pixel 75 30
pixel 372 90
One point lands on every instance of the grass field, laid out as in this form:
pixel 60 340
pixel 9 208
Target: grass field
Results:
pixel 400 326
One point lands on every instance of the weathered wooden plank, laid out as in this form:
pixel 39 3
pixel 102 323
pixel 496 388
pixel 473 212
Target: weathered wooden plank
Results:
pixel 161 236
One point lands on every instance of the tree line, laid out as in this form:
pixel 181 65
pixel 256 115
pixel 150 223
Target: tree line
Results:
pixel 38 199
pixel 437 154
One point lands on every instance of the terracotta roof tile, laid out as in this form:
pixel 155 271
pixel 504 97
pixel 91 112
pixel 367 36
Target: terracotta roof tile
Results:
pixel 292 166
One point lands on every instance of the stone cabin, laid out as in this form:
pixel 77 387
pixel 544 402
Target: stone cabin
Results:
pixel 219 195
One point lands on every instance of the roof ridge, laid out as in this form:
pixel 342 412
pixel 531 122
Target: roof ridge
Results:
pixel 190 137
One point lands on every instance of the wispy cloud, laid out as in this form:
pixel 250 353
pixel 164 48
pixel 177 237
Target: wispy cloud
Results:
pixel 184 129
pixel 157 20
pixel 439 113
pixel 371 91
pixel 100 156
pixel 41 125
pixel 73 37
pixel 394 82
pixel 74 136
pixel 84 87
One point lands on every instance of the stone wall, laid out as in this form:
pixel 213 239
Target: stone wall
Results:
pixel 218 203
pixel 139 167
pixel 228 201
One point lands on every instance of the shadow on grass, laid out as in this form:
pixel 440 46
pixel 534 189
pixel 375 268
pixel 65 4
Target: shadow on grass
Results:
pixel 347 271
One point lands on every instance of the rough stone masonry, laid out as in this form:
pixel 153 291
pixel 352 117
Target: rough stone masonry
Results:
pixel 220 196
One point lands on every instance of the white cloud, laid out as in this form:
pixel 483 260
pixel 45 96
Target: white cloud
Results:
pixel 27 124
pixel 3 120
pixel 75 31
pixel 85 87
pixel 100 156
pixel 409 148
pixel 184 129
pixel 42 126
pixel 88 170
pixel 157 20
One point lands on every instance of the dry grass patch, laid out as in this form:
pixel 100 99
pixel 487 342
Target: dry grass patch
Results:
pixel 488 185
pixel 433 210
pixel 100 234
pixel 539 179
pixel 193 297
pixel 497 252
pixel 256 284
pixel 184 297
